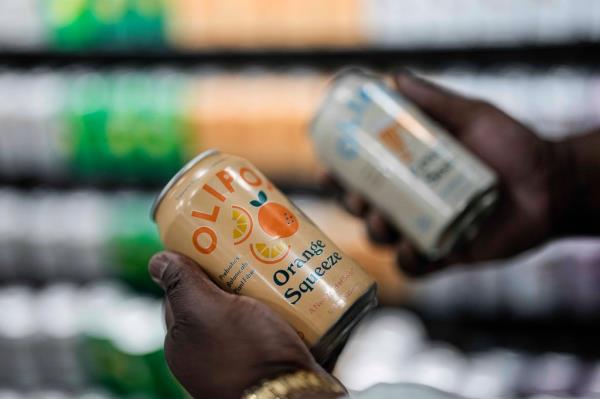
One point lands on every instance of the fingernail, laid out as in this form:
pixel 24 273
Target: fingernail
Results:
pixel 158 265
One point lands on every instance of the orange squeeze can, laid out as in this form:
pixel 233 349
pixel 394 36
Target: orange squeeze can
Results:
pixel 251 240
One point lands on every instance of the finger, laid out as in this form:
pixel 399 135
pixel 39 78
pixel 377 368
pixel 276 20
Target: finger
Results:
pixel 379 228
pixel 188 290
pixel 352 202
pixel 329 182
pixel 499 238
pixel 355 204
pixel 416 265
pixel 450 109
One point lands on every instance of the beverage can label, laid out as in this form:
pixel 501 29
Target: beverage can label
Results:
pixel 253 241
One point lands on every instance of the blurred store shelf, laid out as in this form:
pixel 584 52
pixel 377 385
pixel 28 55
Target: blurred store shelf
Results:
pixel 102 101
pixel 559 280
pixel 65 338
pixel 182 25
pixel 138 127
pixel 570 54
pixel 59 394
pixel 393 346
pixel 78 236
pixel 132 126
pixel 68 338
pixel 84 235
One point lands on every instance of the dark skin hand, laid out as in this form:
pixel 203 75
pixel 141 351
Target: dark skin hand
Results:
pixel 537 181
pixel 218 344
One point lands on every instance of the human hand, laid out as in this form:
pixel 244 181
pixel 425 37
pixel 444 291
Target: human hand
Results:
pixel 526 165
pixel 218 344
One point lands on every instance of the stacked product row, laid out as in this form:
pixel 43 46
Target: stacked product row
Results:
pixel 243 24
pixel 391 346
pixel 559 279
pixel 55 394
pixel 85 235
pixel 76 236
pixel 141 126
pixel 130 126
pixel 70 338
pixel 556 101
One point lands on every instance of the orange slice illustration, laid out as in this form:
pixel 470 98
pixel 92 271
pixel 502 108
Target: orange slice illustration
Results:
pixel 270 253
pixel 242 224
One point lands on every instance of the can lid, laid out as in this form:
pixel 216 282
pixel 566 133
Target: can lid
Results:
pixel 176 178
pixel 335 78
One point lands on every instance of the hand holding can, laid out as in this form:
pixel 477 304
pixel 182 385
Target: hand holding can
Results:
pixel 379 143
pixel 251 240
pixel 525 167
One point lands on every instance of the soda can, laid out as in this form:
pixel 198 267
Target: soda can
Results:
pixel 56 353
pixel 18 335
pixel 12 235
pixel 379 144
pixel 10 394
pixel 222 212
pixel 48 394
pixel 591 384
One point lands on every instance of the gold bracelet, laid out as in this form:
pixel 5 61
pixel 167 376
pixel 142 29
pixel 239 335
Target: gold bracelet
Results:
pixel 296 383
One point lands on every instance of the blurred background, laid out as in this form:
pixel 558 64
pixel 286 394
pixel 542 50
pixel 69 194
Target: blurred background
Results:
pixel 101 101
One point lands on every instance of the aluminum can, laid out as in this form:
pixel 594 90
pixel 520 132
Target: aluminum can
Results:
pixel 222 212
pixel 379 144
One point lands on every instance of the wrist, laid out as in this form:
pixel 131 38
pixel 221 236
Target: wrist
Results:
pixel 562 186
pixel 574 168
pixel 301 384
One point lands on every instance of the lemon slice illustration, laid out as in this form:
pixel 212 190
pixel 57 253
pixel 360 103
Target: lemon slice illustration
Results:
pixel 242 224
pixel 270 253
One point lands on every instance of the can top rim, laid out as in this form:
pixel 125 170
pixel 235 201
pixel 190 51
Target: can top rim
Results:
pixel 189 165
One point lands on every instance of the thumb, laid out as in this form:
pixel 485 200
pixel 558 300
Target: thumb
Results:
pixel 189 291
pixel 448 108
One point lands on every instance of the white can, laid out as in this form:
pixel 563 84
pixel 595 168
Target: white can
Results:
pixel 379 144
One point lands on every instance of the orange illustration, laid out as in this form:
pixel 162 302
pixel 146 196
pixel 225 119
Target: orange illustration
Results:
pixel 392 140
pixel 275 219
pixel 242 227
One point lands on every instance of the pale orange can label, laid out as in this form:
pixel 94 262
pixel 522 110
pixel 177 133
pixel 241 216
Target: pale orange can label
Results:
pixel 251 240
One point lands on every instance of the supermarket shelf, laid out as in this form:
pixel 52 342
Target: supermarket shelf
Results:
pixel 67 126
pixel 75 236
pixel 150 188
pixel 581 54
pixel 401 348
pixel 559 333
